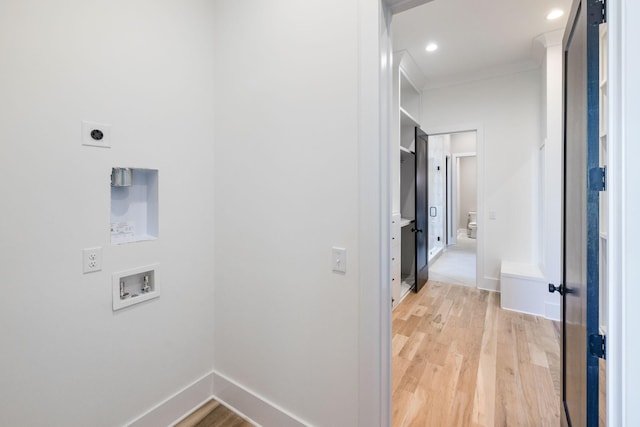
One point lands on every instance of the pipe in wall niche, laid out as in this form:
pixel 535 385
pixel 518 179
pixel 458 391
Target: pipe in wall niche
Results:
pixel 121 177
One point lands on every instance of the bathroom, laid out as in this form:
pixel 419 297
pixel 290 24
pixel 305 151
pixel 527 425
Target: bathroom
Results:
pixel 453 231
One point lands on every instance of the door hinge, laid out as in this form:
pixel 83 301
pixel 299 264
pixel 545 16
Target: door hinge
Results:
pixel 603 11
pixel 598 346
pixel 598 179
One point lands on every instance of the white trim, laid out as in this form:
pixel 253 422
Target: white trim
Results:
pixel 250 405
pixel 397 6
pixel 177 406
pixel 488 284
pixel 385 82
pixel 623 372
pixel 551 38
pixel 412 72
pixel 614 393
pixel 374 206
pixel 451 231
pixel 234 396
pixel 490 73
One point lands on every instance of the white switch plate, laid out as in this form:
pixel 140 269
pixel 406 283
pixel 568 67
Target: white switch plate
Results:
pixel 492 214
pixel 339 259
pixel 91 259
pixel 96 134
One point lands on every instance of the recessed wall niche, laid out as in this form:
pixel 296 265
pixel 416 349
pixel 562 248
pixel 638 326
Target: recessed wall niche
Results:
pixel 134 205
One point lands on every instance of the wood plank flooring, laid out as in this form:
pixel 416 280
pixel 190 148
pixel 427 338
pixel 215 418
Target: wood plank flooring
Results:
pixel 460 360
pixel 214 414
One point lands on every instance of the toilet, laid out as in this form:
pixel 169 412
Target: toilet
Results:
pixel 472 226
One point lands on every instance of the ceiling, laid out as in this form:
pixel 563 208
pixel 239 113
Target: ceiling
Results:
pixel 476 38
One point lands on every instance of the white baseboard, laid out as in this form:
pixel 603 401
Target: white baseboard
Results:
pixel 213 385
pixel 489 284
pixel 255 408
pixel 178 406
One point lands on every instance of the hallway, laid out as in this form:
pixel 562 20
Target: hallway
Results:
pixel 460 360
pixel 457 265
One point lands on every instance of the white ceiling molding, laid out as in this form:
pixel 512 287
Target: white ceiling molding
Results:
pixel 483 74
pixel 397 6
pixel 544 41
pixel 552 38
pixel 410 68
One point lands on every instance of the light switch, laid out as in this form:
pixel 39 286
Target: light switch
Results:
pixel 339 259
pixel 492 215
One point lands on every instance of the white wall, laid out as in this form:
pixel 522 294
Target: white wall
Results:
pixel 463 142
pixel 466 189
pixel 550 168
pixel 144 67
pixel 286 192
pixel 508 111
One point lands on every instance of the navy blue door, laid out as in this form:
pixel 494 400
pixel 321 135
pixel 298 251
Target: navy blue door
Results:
pixel 582 184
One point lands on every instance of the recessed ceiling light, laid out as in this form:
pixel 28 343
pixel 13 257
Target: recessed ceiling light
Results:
pixel 555 14
pixel 431 47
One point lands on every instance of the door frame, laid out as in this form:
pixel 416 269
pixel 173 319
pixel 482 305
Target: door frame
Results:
pixel 623 373
pixel 374 95
pixel 448 202
pixel 374 76
pixel 454 188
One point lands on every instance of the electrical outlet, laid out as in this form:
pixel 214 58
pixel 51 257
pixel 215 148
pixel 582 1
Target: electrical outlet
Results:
pixel 91 259
pixel 96 134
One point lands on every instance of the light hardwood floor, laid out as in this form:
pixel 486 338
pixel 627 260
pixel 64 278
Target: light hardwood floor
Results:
pixel 460 360
pixel 214 414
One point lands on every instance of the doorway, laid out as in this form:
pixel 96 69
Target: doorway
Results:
pixel 615 198
pixel 453 208
pixel 505 108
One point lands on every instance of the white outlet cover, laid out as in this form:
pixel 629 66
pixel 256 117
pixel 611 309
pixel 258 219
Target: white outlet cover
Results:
pixel 96 134
pixel 91 259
